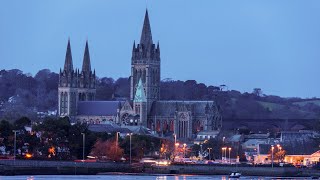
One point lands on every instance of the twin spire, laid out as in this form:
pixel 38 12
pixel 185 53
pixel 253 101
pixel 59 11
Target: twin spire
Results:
pixel 68 65
pixel 146 40
pixel 86 64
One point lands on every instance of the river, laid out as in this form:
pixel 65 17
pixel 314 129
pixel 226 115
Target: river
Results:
pixel 135 177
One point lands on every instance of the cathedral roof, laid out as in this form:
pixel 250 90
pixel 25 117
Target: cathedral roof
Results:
pixel 99 108
pixel 109 128
pixel 168 108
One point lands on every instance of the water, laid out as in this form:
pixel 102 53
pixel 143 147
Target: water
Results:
pixel 136 177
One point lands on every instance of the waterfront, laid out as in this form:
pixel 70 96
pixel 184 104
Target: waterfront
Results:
pixel 138 177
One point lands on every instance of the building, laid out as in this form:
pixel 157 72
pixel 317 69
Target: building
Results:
pixel 75 86
pixel 145 107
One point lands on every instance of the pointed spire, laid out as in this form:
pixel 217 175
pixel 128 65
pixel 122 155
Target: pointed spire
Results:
pixel 140 94
pixel 146 36
pixel 86 65
pixel 134 45
pixel 68 65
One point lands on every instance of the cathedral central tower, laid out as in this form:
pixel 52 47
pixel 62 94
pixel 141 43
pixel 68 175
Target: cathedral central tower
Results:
pixel 145 65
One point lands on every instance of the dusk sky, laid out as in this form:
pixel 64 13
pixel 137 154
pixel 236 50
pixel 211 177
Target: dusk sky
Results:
pixel 270 44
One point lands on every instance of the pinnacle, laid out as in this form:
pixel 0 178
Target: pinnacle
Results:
pixel 68 65
pixel 146 36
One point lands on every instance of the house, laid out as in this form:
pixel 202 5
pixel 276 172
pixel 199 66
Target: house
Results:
pixel 303 159
pixel 205 136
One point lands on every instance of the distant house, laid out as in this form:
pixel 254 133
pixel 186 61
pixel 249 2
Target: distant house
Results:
pixel 296 136
pixel 299 144
pixel 303 159
pixel 255 145
pixel 205 135
pixel 252 141
pixel 262 154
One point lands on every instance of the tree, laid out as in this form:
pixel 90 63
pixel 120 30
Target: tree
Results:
pixel 166 149
pixel 257 92
pixel 278 154
pixel 108 149
pixel 21 123
pixel 5 131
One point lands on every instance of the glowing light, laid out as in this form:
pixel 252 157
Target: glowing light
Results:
pixel 52 151
pixel 163 163
pixel 28 155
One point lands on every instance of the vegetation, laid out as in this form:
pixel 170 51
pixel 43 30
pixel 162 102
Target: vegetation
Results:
pixel 25 95
pixel 57 139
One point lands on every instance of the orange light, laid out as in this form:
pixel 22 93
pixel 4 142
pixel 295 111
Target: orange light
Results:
pixel 52 151
pixel 229 149
pixel 177 144
pixel 28 155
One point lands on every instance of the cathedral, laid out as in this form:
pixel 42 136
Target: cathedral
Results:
pixel 145 108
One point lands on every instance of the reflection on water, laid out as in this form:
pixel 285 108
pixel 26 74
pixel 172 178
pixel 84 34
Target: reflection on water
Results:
pixel 140 177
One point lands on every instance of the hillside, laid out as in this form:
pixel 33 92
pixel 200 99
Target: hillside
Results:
pixel 25 95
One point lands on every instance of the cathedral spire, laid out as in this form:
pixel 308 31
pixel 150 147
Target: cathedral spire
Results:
pixel 86 65
pixel 68 65
pixel 146 36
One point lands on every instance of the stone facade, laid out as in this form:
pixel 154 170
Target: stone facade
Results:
pixel 144 108
pixel 75 86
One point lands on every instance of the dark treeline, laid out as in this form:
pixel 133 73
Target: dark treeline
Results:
pixel 24 95
pixel 57 139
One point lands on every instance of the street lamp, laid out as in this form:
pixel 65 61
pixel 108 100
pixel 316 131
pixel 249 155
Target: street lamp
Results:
pixel 280 148
pixel 229 155
pixel 209 153
pixel 225 154
pixel 15 144
pixel 130 134
pixel 83 145
pixel 184 149
pixel 221 154
pixel 117 142
pixel 201 150
pixel 272 149
pixel 224 149
pixel 175 141
pixel 175 150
